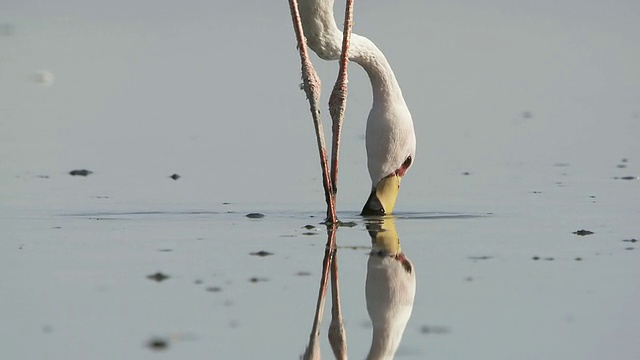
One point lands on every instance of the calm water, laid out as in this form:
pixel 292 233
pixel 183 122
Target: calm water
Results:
pixel 527 122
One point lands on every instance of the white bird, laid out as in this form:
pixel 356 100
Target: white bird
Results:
pixel 390 137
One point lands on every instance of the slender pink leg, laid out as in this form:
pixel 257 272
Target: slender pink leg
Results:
pixel 338 98
pixel 311 86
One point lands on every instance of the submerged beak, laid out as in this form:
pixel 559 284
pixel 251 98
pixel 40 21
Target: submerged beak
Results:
pixel 383 196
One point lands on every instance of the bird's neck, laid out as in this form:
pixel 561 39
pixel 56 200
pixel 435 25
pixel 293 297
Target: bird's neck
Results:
pixel 384 343
pixel 384 85
pixel 325 39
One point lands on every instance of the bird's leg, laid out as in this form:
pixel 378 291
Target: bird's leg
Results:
pixel 338 98
pixel 313 349
pixel 337 334
pixel 311 86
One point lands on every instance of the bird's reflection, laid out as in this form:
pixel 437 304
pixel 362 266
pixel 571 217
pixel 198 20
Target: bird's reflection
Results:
pixel 389 292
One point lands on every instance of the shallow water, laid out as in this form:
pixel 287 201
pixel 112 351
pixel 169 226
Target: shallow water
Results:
pixel 523 140
pixel 503 282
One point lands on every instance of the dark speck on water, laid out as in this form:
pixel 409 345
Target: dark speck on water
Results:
pixel 466 173
pixel 80 172
pixel 627 178
pixel 549 258
pixel 309 227
pixel 630 240
pixel 434 329
pixel 484 257
pixel 309 233
pixel 303 273
pixel 159 277
pixel 536 258
pixel 583 232
pixel 175 176
pixel 214 289
pixel 257 279
pixel 347 224
pixel 261 253
pixel 578 259
pixel 255 215
pixel 158 344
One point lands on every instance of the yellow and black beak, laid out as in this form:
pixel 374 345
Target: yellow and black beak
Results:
pixel 383 196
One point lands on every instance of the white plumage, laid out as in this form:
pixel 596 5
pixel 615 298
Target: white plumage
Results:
pixel 390 137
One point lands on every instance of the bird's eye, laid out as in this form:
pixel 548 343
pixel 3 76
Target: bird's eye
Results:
pixel 407 162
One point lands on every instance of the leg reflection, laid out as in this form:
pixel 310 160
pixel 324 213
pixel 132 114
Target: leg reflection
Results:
pixel 337 334
pixel 313 347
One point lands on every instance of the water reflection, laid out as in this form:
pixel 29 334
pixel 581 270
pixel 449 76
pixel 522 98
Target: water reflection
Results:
pixel 389 292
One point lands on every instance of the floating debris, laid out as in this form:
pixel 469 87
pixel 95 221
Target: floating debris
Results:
pixel 536 258
pixel 158 344
pixel 627 178
pixel 434 329
pixel 255 215
pixel 257 279
pixel 261 253
pixel 303 273
pixel 630 240
pixel 466 173
pixel 578 259
pixel 159 277
pixel 583 232
pixel 308 227
pixel 80 172
pixel 484 257
pixel 226 203
pixel 214 289
pixel 175 176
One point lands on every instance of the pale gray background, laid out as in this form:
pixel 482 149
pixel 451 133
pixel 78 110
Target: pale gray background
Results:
pixel 209 90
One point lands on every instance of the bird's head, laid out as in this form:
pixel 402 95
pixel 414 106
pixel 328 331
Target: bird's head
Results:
pixel 384 193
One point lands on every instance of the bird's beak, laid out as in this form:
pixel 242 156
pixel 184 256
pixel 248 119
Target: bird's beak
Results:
pixel 383 196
